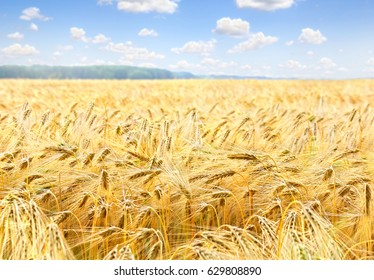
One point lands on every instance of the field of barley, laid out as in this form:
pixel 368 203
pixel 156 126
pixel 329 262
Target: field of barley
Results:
pixel 187 170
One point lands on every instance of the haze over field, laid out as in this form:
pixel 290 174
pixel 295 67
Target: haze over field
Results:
pixel 282 38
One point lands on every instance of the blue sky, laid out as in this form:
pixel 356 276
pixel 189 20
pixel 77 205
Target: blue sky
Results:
pixel 276 38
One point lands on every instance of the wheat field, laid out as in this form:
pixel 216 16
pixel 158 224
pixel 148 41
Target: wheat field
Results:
pixel 195 169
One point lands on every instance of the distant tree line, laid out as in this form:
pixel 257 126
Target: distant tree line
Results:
pixel 88 72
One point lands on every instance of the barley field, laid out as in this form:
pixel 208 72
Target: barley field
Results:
pixel 195 169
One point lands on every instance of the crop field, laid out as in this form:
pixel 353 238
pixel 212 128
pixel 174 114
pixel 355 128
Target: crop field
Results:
pixel 187 169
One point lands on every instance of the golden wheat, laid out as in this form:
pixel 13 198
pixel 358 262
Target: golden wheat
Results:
pixel 186 170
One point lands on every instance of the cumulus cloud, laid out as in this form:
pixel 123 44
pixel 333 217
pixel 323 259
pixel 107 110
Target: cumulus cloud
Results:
pixel 184 65
pixel 290 43
pixel 326 63
pixel 102 62
pixel 370 61
pixel 66 48
pixel 79 34
pixel 147 32
pixel 105 2
pixel 147 65
pixel 131 52
pixel 293 64
pixel 16 36
pixel 147 6
pixel 33 13
pixel 255 41
pixel 265 5
pixel 125 61
pixel 100 39
pixel 19 50
pixel 232 27
pixel 198 47
pixel 310 53
pixel 33 27
pixel 216 63
pixel 246 67
pixel 206 65
pixel 57 53
pixel 310 36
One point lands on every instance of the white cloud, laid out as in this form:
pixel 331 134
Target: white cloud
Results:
pixel 100 39
pixel 147 65
pixel 19 50
pixel 125 61
pixel 266 5
pixel 293 64
pixel 33 13
pixel 147 6
pixel 66 48
pixel 342 69
pixel 371 61
pixel 33 27
pixel 79 34
pixel 289 43
pixel 131 52
pixel 199 47
pixel 105 2
pixel 56 55
pixel 216 63
pixel 232 27
pixel 310 36
pixel 310 53
pixel 100 62
pixel 326 63
pixel 15 36
pixel 255 41
pixel 207 65
pixel 184 65
pixel 147 32
pixel 246 67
